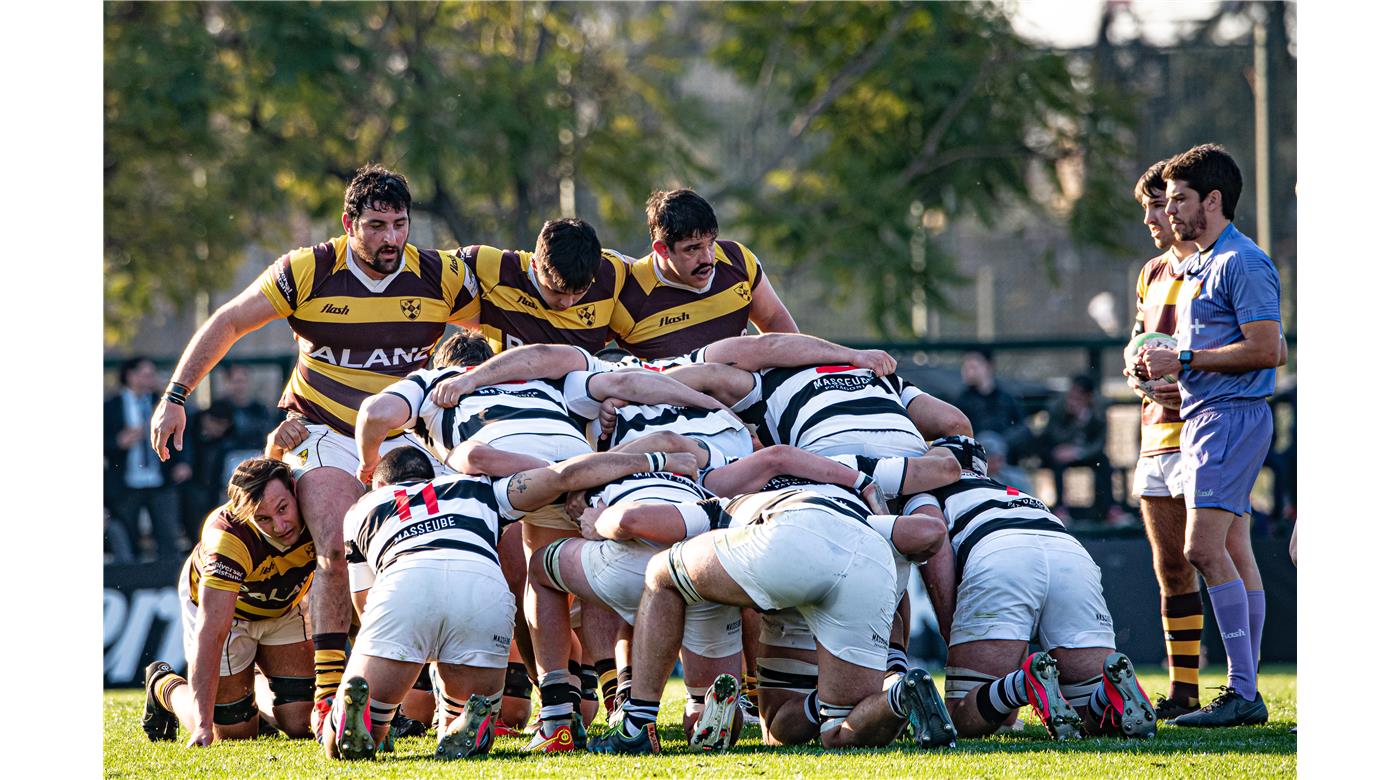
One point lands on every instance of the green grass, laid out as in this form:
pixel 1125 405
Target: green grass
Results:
pixel 1241 752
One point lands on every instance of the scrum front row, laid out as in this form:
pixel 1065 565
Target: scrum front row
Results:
pixel 680 524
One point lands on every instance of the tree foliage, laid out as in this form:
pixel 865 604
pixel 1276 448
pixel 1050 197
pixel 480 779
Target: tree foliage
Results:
pixel 221 119
pixel 893 110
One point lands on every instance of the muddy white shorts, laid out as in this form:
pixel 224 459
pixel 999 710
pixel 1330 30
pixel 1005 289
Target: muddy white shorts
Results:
pixel 325 446
pixel 241 647
pixel 1032 585
pixel 837 573
pixel 451 610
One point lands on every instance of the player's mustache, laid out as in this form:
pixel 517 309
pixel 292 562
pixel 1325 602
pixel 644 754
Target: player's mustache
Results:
pixel 700 269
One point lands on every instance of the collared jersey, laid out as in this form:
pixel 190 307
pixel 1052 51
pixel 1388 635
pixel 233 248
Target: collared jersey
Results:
pixel 1157 291
pixel 357 335
pixel 539 407
pixel 513 312
pixel 659 320
pixel 453 518
pixel 234 555
pixel 977 506
pixel 812 406
pixel 1232 284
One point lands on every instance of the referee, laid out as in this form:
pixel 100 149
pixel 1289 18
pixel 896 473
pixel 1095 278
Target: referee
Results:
pixel 1228 331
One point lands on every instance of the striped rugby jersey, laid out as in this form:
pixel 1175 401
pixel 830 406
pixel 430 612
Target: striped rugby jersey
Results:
pixel 357 335
pixel 539 407
pixel 236 556
pixel 976 506
pixel 637 420
pixel 651 487
pixel 450 518
pixel 1157 291
pixel 513 313
pixel 660 320
pixel 818 408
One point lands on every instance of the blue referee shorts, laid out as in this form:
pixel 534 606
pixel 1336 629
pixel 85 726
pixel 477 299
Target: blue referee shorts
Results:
pixel 1222 449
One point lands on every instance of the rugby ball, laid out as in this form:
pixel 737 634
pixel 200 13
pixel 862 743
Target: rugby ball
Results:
pixel 1134 348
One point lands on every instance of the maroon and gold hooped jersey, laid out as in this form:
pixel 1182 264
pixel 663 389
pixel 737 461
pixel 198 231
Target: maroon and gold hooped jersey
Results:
pixel 358 335
pixel 233 555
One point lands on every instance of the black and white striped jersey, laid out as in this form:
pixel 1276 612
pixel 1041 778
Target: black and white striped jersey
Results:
pixel 649 487
pixel 977 506
pixel 824 409
pixel 540 407
pixel 658 364
pixel 637 420
pixel 784 494
pixel 452 517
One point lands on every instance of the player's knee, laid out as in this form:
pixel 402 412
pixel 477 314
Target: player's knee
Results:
pixel 291 690
pixel 659 572
pixel 235 712
pixel 1202 556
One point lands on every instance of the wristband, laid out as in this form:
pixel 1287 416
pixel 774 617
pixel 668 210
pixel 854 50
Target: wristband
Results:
pixel 655 460
pixel 176 393
pixel 863 481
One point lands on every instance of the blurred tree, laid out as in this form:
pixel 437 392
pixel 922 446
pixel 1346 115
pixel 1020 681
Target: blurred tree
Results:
pixel 887 118
pixel 223 118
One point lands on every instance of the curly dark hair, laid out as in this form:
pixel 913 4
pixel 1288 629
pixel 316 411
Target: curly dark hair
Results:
pixel 463 348
pixel 679 214
pixel 378 188
pixel 569 254
pixel 1208 167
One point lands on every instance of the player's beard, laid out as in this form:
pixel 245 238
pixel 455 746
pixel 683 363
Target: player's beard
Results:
pixel 381 261
pixel 1191 229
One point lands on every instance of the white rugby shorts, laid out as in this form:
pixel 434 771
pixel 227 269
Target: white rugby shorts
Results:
pixel 325 446
pixel 1032 585
pixel 1159 475
pixel 451 610
pixel 871 444
pixel 786 628
pixel 616 572
pixel 838 574
pixel 244 637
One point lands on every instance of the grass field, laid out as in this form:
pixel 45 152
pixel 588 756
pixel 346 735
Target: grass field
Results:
pixel 1260 751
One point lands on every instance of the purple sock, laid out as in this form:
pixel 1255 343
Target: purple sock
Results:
pixel 1231 607
pixel 1256 622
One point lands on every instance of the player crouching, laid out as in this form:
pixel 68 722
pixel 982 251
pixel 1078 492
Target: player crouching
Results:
pixel 1014 573
pixel 242 589
pixel 427 582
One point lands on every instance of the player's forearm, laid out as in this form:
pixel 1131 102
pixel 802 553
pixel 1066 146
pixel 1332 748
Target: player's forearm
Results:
pixel 471 457
pixel 210 343
pixel 942 587
pixel 659 523
pixel 212 627
pixel 662 441
pixel 593 469
pixel 778 350
pixel 649 387
pixel 532 361
pixel 378 415
pixel 1237 358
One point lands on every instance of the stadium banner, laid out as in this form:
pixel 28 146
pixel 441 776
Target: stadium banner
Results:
pixel 141 609
pixel 140 620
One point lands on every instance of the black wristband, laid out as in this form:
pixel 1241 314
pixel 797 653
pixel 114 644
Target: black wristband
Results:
pixel 176 393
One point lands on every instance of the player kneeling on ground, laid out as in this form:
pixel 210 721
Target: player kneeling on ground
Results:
pixel 427 582
pixel 242 590
pixel 780 549
pixel 1012 572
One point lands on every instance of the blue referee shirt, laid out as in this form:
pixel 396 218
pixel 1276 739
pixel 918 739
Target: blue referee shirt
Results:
pixel 1234 282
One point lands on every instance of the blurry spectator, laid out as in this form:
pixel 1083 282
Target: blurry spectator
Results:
pixel 997 466
pixel 251 419
pixel 990 408
pixel 134 478
pixel 1074 435
pixel 1283 464
pixel 118 546
pixel 230 431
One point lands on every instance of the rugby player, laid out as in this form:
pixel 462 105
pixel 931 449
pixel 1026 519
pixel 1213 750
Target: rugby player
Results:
pixel 414 538
pixel 822 554
pixel 1012 573
pixel 366 309
pixel 694 288
pixel 565 292
pixel 1228 333
pixel 242 589
pixel 1157 478
pixel 500 429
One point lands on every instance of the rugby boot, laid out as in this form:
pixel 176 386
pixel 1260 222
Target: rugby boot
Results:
pixel 929 720
pixel 504 729
pixel 1127 702
pixel 716 722
pixel 1169 709
pixel 319 710
pixel 554 736
pixel 580 729
pixel 404 726
pixel 615 741
pixel 470 734
pixel 352 739
pixel 159 723
pixel 1043 690
pixel 1228 709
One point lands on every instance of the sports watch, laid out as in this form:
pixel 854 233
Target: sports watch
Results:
pixel 1184 358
